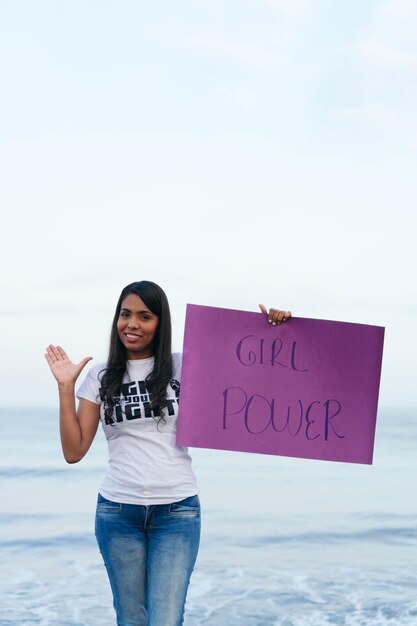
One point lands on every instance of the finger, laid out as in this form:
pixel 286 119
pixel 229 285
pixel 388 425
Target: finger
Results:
pixel 280 316
pixel 277 316
pixel 264 310
pixel 48 358
pixel 284 316
pixel 62 352
pixel 51 353
pixel 81 365
pixel 85 361
pixel 55 353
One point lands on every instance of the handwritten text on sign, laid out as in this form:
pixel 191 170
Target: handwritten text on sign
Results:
pixel 307 388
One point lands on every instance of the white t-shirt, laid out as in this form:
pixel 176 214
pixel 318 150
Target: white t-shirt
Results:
pixel 145 465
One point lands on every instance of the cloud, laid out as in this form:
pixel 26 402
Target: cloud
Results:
pixel 380 90
pixel 384 56
pixel 252 53
pixel 241 97
pixel 400 9
pixel 399 123
pixel 380 116
pixel 287 8
pixel 390 39
pixel 291 8
pixel 211 3
pixel 96 277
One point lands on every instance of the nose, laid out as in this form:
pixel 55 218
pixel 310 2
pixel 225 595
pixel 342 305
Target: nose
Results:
pixel 133 323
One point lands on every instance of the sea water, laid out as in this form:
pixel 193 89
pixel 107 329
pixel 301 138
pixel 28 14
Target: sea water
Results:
pixel 285 542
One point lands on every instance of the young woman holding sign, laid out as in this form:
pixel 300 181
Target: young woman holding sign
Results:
pixel 148 511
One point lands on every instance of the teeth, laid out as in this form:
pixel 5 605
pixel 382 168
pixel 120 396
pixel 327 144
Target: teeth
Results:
pixel 132 336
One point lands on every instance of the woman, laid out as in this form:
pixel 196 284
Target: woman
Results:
pixel 148 512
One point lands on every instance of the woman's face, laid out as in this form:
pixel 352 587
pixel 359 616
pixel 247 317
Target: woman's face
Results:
pixel 136 327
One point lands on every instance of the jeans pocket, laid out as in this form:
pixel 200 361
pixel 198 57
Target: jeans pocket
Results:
pixel 107 506
pixel 189 506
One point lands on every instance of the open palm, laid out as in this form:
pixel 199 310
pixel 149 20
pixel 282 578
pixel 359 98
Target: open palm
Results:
pixel 62 368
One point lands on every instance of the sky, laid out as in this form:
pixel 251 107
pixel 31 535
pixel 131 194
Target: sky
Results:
pixel 233 151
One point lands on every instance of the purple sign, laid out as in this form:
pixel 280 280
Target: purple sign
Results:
pixel 306 388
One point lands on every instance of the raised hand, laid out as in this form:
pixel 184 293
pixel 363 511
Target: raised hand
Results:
pixel 275 316
pixel 63 369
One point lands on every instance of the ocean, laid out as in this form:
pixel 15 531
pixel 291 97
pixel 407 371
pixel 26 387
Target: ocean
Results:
pixel 285 542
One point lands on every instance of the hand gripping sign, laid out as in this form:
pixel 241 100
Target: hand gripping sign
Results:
pixel 307 388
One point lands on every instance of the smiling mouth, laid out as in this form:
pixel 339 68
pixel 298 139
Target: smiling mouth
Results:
pixel 130 336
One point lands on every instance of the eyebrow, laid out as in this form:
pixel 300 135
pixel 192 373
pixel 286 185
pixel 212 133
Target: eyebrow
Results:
pixel 141 311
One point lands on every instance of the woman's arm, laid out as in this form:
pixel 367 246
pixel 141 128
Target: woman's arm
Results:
pixel 77 429
pixel 275 316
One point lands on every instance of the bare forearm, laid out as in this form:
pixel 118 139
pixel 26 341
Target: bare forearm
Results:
pixel 69 426
pixel 77 427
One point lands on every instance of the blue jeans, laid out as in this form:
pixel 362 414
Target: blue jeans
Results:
pixel 149 553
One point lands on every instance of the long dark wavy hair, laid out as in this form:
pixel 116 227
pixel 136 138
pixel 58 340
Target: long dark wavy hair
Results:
pixel 156 382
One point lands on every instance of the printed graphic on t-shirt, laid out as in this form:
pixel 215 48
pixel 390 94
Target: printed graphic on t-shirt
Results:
pixel 134 402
